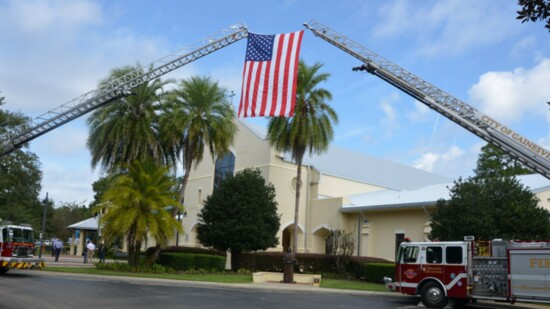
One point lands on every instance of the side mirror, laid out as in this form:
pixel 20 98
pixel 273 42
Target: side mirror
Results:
pixel 10 233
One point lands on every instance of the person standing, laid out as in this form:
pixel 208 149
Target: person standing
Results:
pixel 57 247
pixel 85 252
pixel 101 250
pixel 91 250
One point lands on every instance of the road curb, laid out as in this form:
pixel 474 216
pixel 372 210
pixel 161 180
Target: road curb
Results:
pixel 273 287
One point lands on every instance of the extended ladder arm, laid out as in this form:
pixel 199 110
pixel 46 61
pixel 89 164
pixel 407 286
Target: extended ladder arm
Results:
pixel 492 131
pixel 118 88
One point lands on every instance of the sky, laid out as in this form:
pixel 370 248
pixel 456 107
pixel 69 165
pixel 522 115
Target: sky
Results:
pixel 54 51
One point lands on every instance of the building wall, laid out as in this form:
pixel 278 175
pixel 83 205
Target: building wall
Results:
pixel 374 230
pixel 544 199
pixel 378 233
pixel 333 186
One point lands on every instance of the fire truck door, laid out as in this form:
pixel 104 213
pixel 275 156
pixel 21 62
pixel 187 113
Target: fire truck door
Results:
pixel 409 269
pixel 432 265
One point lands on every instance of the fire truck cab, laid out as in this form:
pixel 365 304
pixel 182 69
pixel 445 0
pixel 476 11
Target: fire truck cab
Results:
pixel 436 271
pixel 16 247
pixel 464 270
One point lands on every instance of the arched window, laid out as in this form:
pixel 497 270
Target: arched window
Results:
pixel 224 168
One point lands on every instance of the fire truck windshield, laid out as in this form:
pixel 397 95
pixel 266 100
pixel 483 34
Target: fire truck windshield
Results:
pixel 20 234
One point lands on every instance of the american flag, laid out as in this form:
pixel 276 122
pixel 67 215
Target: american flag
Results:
pixel 270 75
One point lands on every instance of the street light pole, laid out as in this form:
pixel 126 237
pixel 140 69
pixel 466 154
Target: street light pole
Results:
pixel 45 206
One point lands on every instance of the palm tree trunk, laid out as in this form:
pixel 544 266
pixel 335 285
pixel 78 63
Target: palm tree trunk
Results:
pixel 297 206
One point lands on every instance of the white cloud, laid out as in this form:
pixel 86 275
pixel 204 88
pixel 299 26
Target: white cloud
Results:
pixel 430 160
pixel 390 120
pixel 420 113
pixel 67 185
pixel 507 96
pixel 522 46
pixel 36 18
pixel 426 162
pixel 446 27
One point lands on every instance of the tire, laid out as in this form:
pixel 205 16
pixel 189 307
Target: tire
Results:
pixel 433 295
pixel 3 270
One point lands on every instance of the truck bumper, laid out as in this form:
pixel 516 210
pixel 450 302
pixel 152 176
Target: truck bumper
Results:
pixel 392 286
pixel 22 263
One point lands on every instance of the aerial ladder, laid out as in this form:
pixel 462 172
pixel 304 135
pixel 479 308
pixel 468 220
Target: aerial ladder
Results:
pixel 492 131
pixel 118 88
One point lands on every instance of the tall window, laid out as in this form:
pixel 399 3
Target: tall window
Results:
pixel 224 168
pixel 399 238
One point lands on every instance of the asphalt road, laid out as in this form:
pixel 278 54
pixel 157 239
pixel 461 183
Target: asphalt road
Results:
pixel 32 289
pixel 41 289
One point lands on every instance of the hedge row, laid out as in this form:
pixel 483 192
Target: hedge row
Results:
pixel 366 268
pixel 190 261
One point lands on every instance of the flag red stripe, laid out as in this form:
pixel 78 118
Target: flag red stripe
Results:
pixel 286 75
pixel 265 88
pixel 255 92
pixel 275 81
pixel 247 89
pixel 295 54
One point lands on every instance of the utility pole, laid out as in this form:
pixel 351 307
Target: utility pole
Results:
pixel 45 206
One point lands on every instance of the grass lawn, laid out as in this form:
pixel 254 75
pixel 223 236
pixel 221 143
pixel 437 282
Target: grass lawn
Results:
pixel 352 285
pixel 220 278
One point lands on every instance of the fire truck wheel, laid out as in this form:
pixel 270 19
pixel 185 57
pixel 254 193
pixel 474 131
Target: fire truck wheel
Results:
pixel 433 296
pixel 3 270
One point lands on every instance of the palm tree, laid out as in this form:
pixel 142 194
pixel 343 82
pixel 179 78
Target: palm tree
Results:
pixel 198 116
pixel 138 204
pixel 310 129
pixel 127 129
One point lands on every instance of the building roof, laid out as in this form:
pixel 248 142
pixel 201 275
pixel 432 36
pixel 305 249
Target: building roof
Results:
pixel 88 224
pixel 360 167
pixel 426 196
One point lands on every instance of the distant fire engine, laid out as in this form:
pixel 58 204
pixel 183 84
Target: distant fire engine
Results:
pixel 16 248
pixel 461 271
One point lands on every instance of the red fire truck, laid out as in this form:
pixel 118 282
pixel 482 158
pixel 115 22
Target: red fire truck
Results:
pixel 462 271
pixel 16 248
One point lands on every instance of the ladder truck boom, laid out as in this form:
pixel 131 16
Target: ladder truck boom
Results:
pixel 529 153
pixel 118 88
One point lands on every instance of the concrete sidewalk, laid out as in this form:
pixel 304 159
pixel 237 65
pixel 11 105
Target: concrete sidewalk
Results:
pixel 70 261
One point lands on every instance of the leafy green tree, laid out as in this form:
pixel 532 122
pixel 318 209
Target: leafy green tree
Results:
pixel 127 129
pixel 240 216
pixel 493 162
pixel 20 177
pixel 488 208
pixel 101 185
pixel 534 10
pixel 197 115
pixel 138 204
pixel 309 130
pixel 65 215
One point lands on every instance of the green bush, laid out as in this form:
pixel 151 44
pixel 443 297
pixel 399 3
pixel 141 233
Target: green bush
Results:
pixel 323 264
pixel 375 272
pixel 188 261
pixel 142 268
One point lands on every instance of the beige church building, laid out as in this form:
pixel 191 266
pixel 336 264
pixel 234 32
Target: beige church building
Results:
pixel 379 201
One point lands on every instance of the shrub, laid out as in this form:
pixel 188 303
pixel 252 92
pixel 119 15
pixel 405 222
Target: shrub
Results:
pixel 375 272
pixel 189 261
pixel 141 268
pixel 323 264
